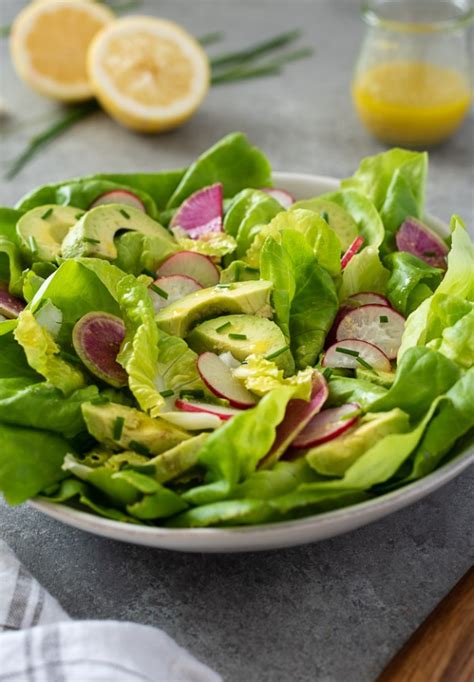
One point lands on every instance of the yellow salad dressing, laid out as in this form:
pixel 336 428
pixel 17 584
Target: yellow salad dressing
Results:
pixel 411 103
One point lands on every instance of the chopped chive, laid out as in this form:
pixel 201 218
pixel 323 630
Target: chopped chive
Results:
pixel 78 216
pixel 223 327
pixel 160 292
pixel 223 286
pixel 46 214
pixel 239 337
pixel 166 394
pixel 32 244
pixel 89 240
pixel 118 428
pixel 198 393
pixel 364 363
pixel 348 351
pixel 139 447
pixel 149 273
pixel 124 213
pixel 276 353
pixel 100 400
pixel 325 216
pixel 327 373
pixel 383 319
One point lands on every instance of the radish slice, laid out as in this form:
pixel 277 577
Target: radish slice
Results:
pixel 10 306
pixel 366 298
pixel 195 265
pixel 219 379
pixel 351 251
pixel 298 414
pixel 97 338
pixel 192 421
pixel 229 360
pixel 201 212
pixel 119 196
pixel 327 425
pixel 224 413
pixel 376 324
pixel 167 290
pixel 281 195
pixel 354 354
pixel 419 240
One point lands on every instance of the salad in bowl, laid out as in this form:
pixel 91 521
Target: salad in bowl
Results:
pixel 195 348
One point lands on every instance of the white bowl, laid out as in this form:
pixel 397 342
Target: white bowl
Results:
pixel 275 535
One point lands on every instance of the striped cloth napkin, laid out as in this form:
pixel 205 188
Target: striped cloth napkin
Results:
pixel 40 643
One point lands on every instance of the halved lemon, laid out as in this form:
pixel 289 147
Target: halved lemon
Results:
pixel 49 43
pixel 149 74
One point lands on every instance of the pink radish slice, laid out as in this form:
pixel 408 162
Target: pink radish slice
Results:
pixel 97 338
pixel 376 324
pixel 420 241
pixel 358 354
pixel 224 413
pixel 351 251
pixel 366 298
pixel 281 195
pixel 195 265
pixel 327 425
pixel 167 290
pixel 298 414
pixel 10 306
pixel 119 196
pixel 218 378
pixel 201 212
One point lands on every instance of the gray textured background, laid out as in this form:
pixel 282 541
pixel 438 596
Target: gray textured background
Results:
pixel 334 611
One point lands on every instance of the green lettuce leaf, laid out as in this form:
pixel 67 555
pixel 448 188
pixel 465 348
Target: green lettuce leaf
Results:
pixel 248 212
pixel 226 513
pixel 364 272
pixel 260 376
pixel 363 211
pixel 11 266
pixel 177 369
pixel 411 281
pixel 239 271
pixel 344 390
pixel 457 342
pixel 137 252
pixel 13 361
pixel 304 295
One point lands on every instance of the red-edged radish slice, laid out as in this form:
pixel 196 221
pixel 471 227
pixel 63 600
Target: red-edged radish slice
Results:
pixel 224 413
pixel 377 324
pixel 354 354
pixel 10 306
pixel 281 195
pixel 119 196
pixel 298 414
pixel 351 251
pixel 167 290
pixel 219 379
pixel 195 265
pixel 327 425
pixel 417 239
pixel 201 213
pixel 366 298
pixel 97 338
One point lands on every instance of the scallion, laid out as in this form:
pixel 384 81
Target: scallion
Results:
pixel 124 213
pixel 276 353
pixel 161 292
pixel 118 427
pixel 238 337
pixel 347 351
pixel 139 447
pixel 46 214
pixel 223 327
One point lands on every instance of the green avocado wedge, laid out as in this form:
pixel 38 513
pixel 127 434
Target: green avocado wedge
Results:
pixel 42 230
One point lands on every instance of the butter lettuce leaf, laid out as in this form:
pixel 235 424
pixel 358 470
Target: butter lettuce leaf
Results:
pixel 260 376
pixel 248 214
pixel 364 272
pixel 361 208
pixel 411 281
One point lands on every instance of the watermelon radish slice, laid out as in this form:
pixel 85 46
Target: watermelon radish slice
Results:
pixel 420 241
pixel 366 298
pixel 298 414
pixel 224 413
pixel 167 290
pixel 219 379
pixel 376 324
pixel 119 196
pixel 195 265
pixel 281 195
pixel 97 338
pixel 10 306
pixel 201 213
pixel 327 425
pixel 354 354
pixel 351 251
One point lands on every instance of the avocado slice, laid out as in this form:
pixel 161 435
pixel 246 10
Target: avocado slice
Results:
pixel 179 459
pixel 336 456
pixel 263 337
pixel 93 235
pixel 338 219
pixel 124 428
pixel 252 298
pixel 41 231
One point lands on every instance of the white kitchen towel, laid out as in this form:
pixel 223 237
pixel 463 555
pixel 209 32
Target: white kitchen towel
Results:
pixel 40 643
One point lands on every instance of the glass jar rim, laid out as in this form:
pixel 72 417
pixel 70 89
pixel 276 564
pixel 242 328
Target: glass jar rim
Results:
pixel 372 16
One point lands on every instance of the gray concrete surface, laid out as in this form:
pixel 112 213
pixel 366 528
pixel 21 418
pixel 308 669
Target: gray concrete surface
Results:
pixel 331 612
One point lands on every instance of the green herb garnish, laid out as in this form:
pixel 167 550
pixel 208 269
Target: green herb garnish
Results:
pixel 33 245
pixel 348 351
pixel 161 292
pixel 198 393
pixel 327 373
pixel 118 428
pixel 124 213
pixel 238 337
pixel 166 394
pixel 383 319
pixel 275 353
pixel 46 214
pixel 325 216
pixel 139 447
pixel 90 240
pixel 223 286
pixel 223 327
pixel 149 273
pixel 364 363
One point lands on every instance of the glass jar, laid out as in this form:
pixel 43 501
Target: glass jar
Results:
pixel 413 80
